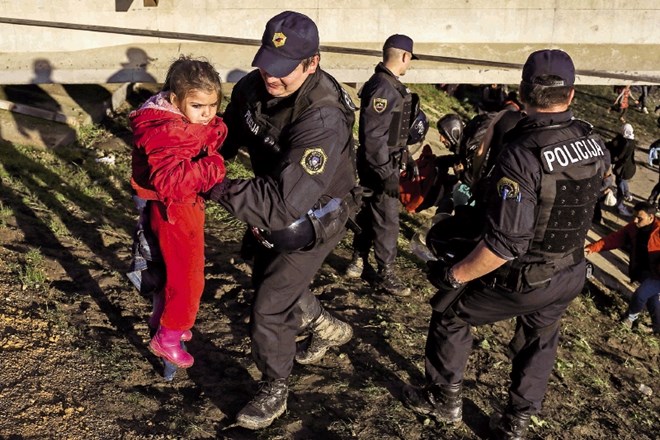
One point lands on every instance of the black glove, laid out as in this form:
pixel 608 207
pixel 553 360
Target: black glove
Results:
pixel 447 294
pixel 438 275
pixel 391 185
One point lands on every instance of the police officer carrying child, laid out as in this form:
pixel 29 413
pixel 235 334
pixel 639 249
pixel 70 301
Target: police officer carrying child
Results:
pixel 529 262
pixel 296 122
pixel 386 108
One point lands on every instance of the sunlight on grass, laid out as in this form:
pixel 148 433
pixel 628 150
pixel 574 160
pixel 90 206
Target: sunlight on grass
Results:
pixel 5 214
pixel 88 135
pixel 58 228
pixel 31 273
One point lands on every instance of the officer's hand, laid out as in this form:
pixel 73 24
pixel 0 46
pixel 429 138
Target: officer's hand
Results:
pixel 437 275
pixel 447 294
pixel 391 185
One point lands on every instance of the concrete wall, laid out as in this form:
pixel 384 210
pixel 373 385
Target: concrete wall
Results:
pixel 609 36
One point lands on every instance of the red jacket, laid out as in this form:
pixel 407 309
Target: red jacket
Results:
pixel 628 236
pixel 174 160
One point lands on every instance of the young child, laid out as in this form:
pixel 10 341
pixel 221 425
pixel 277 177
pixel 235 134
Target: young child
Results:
pixel 177 137
pixel 622 103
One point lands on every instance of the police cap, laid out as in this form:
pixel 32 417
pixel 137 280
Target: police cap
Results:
pixel 290 37
pixel 549 62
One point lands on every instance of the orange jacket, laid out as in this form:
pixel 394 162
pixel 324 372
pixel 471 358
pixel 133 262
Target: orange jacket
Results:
pixel 628 236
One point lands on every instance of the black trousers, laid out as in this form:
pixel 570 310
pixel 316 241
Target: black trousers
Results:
pixel 379 220
pixel 282 298
pixel 533 348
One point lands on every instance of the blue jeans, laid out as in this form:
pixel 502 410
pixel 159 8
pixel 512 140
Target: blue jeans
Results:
pixel 648 293
pixel 623 190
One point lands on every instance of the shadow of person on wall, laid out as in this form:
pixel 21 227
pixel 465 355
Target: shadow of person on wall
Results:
pixel 141 83
pixel 32 104
pixel 135 69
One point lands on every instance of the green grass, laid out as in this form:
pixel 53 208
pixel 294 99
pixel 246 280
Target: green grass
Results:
pixel 5 214
pixel 31 273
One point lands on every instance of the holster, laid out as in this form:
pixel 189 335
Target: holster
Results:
pixel 334 215
pixel 524 277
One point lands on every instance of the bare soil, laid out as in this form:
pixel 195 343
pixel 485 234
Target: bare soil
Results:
pixel 74 362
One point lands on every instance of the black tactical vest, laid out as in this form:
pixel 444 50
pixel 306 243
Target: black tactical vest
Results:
pixel 570 185
pixel 401 115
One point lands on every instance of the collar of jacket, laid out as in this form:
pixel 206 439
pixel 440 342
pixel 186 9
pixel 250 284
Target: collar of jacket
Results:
pixel 380 67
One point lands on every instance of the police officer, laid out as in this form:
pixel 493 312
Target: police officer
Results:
pixel 529 262
pixel 386 108
pixel 296 122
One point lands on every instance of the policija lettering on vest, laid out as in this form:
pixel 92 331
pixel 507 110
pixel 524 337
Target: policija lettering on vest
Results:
pixel 582 150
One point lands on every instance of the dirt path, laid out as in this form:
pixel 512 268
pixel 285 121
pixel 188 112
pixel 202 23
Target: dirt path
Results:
pixel 73 334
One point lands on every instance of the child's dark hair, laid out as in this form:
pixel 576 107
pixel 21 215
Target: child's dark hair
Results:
pixel 187 73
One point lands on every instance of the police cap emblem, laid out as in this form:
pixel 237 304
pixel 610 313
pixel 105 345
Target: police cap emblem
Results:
pixel 279 39
pixel 313 160
pixel 380 104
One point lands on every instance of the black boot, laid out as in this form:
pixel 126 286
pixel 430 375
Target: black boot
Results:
pixel 390 283
pixel 266 406
pixel 442 402
pixel 509 424
pixel 327 331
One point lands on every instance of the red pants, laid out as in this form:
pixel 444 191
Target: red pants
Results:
pixel 181 242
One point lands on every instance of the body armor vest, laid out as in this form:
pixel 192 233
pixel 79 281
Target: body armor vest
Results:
pixel 570 185
pixel 401 115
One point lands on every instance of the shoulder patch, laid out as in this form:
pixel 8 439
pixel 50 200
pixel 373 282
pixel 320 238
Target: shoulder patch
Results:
pixel 508 189
pixel 380 104
pixel 313 160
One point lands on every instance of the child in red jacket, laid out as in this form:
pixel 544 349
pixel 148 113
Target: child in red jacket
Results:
pixel 177 138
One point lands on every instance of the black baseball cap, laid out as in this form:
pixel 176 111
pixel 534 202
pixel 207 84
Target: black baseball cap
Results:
pixel 553 62
pixel 402 42
pixel 290 37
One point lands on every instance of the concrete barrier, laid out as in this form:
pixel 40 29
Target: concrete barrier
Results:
pixel 612 41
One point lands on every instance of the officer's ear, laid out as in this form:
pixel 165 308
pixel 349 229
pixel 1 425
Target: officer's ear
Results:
pixel 571 96
pixel 311 64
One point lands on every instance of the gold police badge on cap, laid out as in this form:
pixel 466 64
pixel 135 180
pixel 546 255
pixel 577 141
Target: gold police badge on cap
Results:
pixel 313 160
pixel 380 104
pixel 279 39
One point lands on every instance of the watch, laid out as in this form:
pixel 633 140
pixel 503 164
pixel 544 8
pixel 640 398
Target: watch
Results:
pixel 451 279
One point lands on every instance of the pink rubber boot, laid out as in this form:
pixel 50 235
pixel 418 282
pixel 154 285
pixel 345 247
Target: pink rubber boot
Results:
pixel 166 343
pixel 157 311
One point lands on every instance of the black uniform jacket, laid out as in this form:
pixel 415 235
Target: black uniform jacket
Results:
pixel 314 158
pixel 379 104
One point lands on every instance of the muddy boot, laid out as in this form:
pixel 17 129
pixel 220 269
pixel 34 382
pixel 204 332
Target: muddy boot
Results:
pixel 355 267
pixel 327 331
pixel 509 425
pixel 442 402
pixel 359 267
pixel 266 406
pixel 388 282
pixel 166 344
